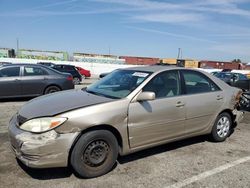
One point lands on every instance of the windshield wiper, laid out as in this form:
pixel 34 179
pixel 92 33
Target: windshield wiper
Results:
pixel 100 94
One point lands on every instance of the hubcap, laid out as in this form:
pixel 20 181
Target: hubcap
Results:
pixel 52 91
pixel 76 80
pixel 96 153
pixel 223 126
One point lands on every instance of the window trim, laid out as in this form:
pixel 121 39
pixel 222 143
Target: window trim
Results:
pixel 198 73
pixel 23 69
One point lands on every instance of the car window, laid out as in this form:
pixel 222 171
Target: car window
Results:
pixel 196 82
pixel 165 84
pixel 242 77
pixel 10 72
pixel 118 84
pixel 34 71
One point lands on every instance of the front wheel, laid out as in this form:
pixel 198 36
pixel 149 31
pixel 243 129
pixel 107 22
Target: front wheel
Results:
pixel 94 154
pixel 222 127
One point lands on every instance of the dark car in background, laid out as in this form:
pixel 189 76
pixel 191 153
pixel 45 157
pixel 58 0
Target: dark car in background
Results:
pixel 5 63
pixel 49 64
pixel 235 79
pixel 29 80
pixel 77 77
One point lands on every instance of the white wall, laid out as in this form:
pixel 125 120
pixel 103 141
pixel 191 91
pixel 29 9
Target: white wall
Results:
pixel 95 68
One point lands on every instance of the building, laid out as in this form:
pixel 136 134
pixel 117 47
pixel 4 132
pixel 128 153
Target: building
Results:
pixel 97 58
pixel 7 53
pixel 43 55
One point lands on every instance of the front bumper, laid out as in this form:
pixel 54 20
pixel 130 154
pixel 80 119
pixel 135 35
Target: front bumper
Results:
pixel 44 150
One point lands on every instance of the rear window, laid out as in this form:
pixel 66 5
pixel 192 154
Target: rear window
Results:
pixel 10 72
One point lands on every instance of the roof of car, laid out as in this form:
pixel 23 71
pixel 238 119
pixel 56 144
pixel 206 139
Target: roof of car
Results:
pixel 153 68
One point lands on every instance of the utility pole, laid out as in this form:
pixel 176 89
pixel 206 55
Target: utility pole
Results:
pixel 109 50
pixel 17 47
pixel 179 53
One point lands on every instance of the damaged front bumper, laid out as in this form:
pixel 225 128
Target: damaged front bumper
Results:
pixel 43 150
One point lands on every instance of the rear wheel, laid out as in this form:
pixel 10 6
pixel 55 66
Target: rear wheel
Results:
pixel 222 127
pixel 51 89
pixel 76 80
pixel 94 154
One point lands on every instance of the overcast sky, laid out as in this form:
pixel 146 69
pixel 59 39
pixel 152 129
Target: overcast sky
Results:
pixel 203 29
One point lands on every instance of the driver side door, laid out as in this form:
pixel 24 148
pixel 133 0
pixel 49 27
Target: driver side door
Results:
pixel 161 119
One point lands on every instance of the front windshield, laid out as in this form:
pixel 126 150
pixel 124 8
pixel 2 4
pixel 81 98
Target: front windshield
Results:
pixel 118 84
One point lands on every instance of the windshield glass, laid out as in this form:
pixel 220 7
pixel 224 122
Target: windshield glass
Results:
pixel 118 84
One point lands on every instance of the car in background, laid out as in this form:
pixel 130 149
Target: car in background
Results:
pixel 77 77
pixel 30 80
pixel 49 64
pixel 85 73
pixel 5 63
pixel 127 111
pixel 103 74
pixel 235 79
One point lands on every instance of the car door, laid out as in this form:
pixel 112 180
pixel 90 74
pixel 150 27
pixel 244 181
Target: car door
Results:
pixel 10 85
pixel 160 119
pixel 203 99
pixel 34 79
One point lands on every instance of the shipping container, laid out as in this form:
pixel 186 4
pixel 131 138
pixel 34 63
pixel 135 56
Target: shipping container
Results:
pixel 140 60
pixel 220 65
pixel 170 61
pixel 189 63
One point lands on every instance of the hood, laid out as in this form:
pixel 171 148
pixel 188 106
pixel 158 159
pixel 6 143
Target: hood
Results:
pixel 56 103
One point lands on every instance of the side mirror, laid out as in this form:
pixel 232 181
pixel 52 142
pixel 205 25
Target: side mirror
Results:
pixel 146 96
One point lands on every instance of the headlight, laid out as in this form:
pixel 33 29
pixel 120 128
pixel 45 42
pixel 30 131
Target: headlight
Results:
pixel 42 124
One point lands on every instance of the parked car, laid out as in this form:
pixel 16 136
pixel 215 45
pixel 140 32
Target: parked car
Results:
pixel 126 111
pixel 49 64
pixel 103 74
pixel 26 80
pixel 235 79
pixel 85 73
pixel 77 77
pixel 5 63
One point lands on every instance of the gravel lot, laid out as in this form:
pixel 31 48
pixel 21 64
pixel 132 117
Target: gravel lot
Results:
pixel 194 162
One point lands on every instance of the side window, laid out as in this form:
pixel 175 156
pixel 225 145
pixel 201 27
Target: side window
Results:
pixel 34 71
pixel 196 82
pixel 10 72
pixel 165 84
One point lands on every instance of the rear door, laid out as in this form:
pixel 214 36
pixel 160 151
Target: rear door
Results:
pixel 10 85
pixel 34 80
pixel 203 100
pixel 161 119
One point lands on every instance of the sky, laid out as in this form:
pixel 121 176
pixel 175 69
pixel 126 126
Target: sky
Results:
pixel 202 29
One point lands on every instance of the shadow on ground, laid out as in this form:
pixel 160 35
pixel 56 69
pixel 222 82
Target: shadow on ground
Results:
pixel 57 173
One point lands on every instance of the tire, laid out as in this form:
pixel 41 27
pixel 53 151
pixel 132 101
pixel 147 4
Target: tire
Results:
pixel 76 80
pixel 94 154
pixel 222 127
pixel 51 89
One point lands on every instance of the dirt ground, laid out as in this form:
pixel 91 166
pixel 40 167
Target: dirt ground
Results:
pixel 195 162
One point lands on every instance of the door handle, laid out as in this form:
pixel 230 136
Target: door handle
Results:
pixel 219 97
pixel 180 104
